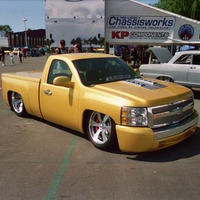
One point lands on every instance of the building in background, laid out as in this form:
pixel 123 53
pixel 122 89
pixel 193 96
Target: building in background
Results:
pixel 35 38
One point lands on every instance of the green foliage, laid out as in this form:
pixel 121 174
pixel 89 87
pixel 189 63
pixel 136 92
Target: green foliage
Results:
pixel 49 42
pixel 187 8
pixel 89 41
pixel 6 29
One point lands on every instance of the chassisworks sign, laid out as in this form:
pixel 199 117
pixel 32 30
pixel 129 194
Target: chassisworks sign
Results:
pixel 136 22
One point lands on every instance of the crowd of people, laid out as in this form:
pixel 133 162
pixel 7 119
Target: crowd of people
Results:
pixel 134 55
pixel 2 56
pixel 130 55
pixel 21 54
pixel 62 49
pixel 77 48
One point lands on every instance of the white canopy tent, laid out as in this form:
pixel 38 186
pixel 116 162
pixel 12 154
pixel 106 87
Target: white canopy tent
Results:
pixel 131 22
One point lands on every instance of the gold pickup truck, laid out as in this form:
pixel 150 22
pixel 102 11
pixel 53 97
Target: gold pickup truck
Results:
pixel 100 95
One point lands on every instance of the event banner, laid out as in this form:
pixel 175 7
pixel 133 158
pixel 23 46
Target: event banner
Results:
pixel 128 21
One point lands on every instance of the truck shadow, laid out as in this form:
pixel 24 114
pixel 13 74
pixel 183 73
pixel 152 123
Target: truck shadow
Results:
pixel 186 149
pixel 196 93
pixel 65 129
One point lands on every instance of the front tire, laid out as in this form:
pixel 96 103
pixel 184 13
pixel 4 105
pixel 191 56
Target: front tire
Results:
pixel 17 104
pixel 101 131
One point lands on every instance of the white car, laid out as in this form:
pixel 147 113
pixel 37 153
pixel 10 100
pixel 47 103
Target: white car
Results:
pixel 183 68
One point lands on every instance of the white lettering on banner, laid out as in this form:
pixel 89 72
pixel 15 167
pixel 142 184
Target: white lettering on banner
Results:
pixel 142 22
pixel 139 35
pixel 149 35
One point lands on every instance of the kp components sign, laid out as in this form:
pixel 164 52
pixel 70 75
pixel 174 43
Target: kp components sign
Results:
pixel 139 35
pixel 132 22
pixel 136 28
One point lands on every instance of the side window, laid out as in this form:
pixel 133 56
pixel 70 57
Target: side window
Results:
pixel 184 59
pixel 196 59
pixel 58 68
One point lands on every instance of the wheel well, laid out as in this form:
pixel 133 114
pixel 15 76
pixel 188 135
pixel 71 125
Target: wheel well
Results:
pixel 165 76
pixel 113 141
pixel 9 98
pixel 86 116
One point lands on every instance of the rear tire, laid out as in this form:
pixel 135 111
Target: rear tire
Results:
pixel 17 104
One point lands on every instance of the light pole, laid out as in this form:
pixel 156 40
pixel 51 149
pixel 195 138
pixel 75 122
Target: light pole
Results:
pixel 25 31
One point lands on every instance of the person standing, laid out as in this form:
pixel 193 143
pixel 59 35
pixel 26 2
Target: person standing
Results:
pixel 135 57
pixel 57 51
pixel 12 58
pixel 20 54
pixel 62 47
pixel 2 56
pixel 77 48
pixel 125 55
pixel 24 53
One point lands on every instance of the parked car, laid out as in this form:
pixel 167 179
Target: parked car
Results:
pixel 183 68
pixel 28 53
pixel 15 51
pixel 7 51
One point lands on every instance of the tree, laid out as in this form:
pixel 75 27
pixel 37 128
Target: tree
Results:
pixel 73 42
pixel 77 40
pixel 6 29
pixel 49 42
pixel 94 40
pixel 89 41
pixel 182 7
pixel 101 41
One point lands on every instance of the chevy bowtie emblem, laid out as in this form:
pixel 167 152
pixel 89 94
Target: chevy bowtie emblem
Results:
pixel 179 110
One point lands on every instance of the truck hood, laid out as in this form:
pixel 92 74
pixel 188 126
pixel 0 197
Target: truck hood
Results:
pixel 144 92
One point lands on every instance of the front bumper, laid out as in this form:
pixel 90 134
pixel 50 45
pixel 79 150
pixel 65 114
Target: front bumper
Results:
pixel 144 139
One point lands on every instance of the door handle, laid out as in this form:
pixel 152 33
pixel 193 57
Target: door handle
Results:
pixel 192 67
pixel 48 92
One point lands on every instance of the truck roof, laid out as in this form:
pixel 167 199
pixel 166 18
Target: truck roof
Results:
pixel 76 56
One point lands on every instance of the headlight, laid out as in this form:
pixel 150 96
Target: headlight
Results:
pixel 134 116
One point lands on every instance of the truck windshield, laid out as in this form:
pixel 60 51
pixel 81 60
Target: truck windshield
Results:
pixel 102 70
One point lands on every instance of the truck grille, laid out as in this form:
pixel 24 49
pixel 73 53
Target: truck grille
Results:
pixel 170 114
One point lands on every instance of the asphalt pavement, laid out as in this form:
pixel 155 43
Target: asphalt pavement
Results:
pixel 40 160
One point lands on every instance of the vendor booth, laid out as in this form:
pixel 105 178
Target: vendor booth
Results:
pixel 131 22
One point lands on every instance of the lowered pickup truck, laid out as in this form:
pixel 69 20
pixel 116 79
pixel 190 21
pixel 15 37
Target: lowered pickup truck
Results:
pixel 100 95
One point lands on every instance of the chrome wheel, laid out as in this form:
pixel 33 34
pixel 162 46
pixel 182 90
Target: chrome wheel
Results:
pixel 101 130
pixel 17 104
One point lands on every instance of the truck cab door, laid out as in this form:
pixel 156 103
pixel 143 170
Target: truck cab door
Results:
pixel 59 104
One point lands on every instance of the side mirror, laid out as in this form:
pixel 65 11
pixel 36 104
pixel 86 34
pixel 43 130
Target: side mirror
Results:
pixel 63 81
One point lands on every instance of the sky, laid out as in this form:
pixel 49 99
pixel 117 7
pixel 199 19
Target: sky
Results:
pixel 14 11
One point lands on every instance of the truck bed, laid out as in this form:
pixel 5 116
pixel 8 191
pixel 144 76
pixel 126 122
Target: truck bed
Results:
pixel 28 74
pixel 27 84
